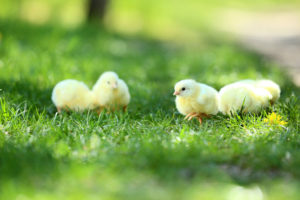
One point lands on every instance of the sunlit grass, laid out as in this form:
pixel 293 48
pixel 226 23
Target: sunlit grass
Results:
pixel 149 152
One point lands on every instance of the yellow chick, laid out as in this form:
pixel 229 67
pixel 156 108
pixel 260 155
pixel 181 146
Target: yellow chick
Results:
pixel 72 95
pixel 268 85
pixel 195 99
pixel 111 92
pixel 271 86
pixel 243 94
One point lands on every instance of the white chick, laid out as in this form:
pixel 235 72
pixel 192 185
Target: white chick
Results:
pixel 243 95
pixel 72 95
pixel 195 99
pixel 111 92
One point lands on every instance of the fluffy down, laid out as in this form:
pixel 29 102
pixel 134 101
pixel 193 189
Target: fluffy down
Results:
pixel 111 92
pixel 195 99
pixel 272 87
pixel 243 94
pixel 269 85
pixel 73 95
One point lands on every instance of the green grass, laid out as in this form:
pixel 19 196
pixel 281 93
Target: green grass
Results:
pixel 149 152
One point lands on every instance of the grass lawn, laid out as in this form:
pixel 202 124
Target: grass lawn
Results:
pixel 149 152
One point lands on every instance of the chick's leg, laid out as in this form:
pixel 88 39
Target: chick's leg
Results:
pixel 124 108
pixel 192 116
pixel 188 115
pixel 205 115
pixel 99 110
pixel 58 109
pixel 199 119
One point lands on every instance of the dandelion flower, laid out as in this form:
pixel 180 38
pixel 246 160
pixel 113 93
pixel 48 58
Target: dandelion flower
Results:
pixel 274 119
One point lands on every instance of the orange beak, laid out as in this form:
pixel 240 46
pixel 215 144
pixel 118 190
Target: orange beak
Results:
pixel 176 93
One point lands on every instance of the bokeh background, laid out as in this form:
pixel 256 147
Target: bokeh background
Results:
pixel 149 153
pixel 161 18
pixel 269 27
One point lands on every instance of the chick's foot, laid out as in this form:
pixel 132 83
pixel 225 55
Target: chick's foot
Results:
pixel 188 115
pixel 192 116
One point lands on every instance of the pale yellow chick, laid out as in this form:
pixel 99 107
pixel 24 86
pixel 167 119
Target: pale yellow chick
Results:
pixel 72 95
pixel 269 85
pixel 195 99
pixel 243 94
pixel 111 92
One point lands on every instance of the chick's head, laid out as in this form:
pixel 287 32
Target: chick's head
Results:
pixel 109 80
pixel 185 88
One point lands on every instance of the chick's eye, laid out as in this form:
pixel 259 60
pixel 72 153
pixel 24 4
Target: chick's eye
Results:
pixel 108 82
pixel 183 89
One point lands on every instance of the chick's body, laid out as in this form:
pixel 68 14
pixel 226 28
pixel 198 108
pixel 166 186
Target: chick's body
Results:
pixel 243 95
pixel 270 86
pixel 111 92
pixel 204 100
pixel 195 99
pixel 73 95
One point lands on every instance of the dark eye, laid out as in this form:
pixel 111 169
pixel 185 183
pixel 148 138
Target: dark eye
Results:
pixel 108 82
pixel 183 89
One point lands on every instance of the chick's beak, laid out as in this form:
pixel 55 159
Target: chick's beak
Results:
pixel 114 86
pixel 176 93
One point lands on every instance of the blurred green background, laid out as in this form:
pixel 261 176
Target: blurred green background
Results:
pixel 165 19
pixel 149 153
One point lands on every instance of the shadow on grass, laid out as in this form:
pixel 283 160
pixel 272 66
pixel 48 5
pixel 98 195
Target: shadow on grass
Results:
pixel 20 94
pixel 23 93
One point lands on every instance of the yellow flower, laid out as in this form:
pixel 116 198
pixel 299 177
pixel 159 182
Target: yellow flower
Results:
pixel 274 119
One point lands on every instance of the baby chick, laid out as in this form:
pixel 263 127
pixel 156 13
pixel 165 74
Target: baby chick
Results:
pixel 271 86
pixel 73 95
pixel 268 85
pixel 195 99
pixel 243 95
pixel 111 92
